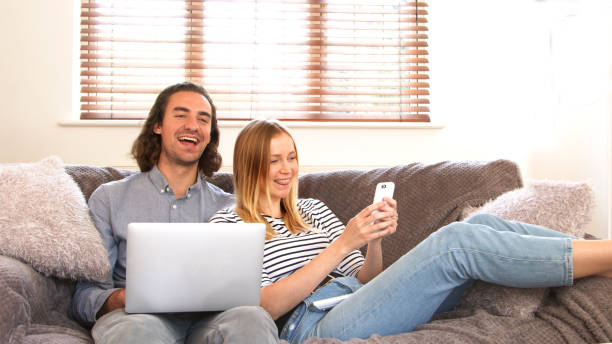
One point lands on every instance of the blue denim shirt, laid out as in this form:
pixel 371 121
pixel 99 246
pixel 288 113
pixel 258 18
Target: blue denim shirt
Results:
pixel 143 197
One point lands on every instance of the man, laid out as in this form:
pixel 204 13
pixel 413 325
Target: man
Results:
pixel 175 149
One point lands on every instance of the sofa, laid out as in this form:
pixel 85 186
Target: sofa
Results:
pixel 47 242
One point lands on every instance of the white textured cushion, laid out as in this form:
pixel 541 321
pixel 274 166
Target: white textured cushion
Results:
pixel 44 221
pixel 559 205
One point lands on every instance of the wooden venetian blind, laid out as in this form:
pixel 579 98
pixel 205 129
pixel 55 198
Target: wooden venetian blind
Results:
pixel 315 60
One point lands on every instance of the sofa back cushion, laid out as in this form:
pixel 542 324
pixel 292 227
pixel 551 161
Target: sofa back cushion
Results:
pixel 429 196
pixel 90 177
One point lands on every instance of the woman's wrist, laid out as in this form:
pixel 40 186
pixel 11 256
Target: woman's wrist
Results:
pixel 341 247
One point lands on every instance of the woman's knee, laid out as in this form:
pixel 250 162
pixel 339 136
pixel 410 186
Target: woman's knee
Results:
pixel 482 219
pixel 454 234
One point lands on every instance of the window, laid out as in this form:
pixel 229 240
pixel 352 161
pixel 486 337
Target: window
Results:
pixel 313 60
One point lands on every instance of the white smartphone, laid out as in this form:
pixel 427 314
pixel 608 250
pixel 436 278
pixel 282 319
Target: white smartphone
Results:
pixel 384 189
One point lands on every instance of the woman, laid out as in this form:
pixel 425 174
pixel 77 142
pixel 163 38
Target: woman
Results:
pixel 305 242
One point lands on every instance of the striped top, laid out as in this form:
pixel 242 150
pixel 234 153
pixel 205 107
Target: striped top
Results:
pixel 286 253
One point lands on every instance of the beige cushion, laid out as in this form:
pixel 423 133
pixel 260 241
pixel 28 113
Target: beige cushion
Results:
pixel 559 205
pixel 44 222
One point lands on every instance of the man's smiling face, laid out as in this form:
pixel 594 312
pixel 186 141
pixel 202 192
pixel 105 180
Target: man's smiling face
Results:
pixel 185 129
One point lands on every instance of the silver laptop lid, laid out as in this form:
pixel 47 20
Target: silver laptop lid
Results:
pixel 193 267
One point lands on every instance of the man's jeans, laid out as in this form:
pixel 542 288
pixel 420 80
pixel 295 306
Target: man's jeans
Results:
pixel 236 325
pixel 432 277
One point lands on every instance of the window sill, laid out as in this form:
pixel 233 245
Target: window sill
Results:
pixel 289 124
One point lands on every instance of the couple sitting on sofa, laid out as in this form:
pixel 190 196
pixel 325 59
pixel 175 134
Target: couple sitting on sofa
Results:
pixel 178 144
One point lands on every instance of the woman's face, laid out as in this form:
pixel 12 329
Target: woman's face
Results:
pixel 283 167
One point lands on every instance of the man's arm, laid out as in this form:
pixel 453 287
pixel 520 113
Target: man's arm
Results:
pixel 89 297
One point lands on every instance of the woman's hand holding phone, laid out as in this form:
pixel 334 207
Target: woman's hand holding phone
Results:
pixel 375 221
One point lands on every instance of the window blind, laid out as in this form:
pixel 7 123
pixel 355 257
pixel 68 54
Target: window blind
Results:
pixel 313 60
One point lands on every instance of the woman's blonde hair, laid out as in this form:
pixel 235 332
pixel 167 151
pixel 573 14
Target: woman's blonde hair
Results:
pixel 251 165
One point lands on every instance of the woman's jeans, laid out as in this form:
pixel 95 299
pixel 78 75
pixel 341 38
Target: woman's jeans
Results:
pixel 432 277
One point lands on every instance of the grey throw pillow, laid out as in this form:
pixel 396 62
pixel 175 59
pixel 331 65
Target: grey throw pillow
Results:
pixel 44 222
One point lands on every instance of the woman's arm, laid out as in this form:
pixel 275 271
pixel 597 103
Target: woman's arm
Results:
pixel 281 296
pixel 373 264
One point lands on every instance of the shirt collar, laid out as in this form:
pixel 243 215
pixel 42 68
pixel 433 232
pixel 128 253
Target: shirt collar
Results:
pixel 158 179
pixel 198 184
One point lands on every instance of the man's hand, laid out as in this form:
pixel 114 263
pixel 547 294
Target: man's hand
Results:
pixel 115 300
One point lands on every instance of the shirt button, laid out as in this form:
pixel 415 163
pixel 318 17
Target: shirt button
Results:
pixel 174 206
pixel 188 195
pixel 291 327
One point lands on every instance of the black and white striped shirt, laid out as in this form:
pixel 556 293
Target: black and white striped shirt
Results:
pixel 286 253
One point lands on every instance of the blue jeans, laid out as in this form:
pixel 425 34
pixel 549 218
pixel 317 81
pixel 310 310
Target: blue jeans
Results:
pixel 432 277
pixel 237 325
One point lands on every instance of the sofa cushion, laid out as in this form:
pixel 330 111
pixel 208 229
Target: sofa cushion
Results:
pixel 45 222
pixel 560 205
pixel 430 195
pixel 90 177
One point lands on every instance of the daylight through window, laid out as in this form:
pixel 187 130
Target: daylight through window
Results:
pixel 309 60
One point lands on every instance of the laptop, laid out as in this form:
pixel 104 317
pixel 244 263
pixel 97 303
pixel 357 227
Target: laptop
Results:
pixel 193 267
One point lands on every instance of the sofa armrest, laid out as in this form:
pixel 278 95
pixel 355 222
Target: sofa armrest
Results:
pixel 37 305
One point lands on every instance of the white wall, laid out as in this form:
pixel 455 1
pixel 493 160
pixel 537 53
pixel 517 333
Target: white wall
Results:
pixel 513 80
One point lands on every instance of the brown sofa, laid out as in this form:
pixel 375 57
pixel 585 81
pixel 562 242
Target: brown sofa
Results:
pixel 36 306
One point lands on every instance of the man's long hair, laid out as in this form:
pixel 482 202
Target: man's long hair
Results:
pixel 147 147
pixel 251 166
